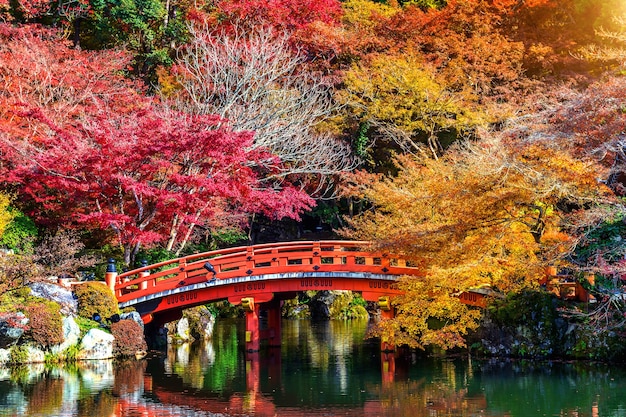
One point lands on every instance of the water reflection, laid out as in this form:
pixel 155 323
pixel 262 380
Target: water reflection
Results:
pixel 321 370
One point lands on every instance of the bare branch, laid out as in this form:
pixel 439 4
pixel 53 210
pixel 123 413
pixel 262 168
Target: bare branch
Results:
pixel 255 82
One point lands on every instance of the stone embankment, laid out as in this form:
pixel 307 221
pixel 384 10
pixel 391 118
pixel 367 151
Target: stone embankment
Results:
pixel 94 344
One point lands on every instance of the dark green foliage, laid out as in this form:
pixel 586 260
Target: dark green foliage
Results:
pixel 129 338
pixel 523 308
pixel 46 323
pixel 95 297
pixel 525 324
pixel 224 309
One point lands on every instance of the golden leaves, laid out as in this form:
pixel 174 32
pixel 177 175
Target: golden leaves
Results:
pixel 483 215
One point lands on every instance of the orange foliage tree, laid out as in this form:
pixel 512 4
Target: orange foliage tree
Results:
pixel 485 214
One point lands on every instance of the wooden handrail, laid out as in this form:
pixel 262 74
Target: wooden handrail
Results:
pixel 264 259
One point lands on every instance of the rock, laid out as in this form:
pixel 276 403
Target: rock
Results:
pixel 182 329
pixel 207 324
pixel 62 296
pixel 96 344
pixel 35 355
pixel 12 327
pixel 133 315
pixel 71 335
pixel 5 354
pixel 319 305
pixel 201 322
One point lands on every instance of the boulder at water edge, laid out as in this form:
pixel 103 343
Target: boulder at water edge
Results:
pixel 96 344
pixel 12 327
pixel 71 335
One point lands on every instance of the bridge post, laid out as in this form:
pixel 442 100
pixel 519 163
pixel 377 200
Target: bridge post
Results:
pixel 274 323
pixel 388 367
pixel 111 275
pixel 252 324
pixel 144 284
pixel 386 312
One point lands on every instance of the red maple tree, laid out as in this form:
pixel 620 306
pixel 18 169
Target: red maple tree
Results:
pixel 81 145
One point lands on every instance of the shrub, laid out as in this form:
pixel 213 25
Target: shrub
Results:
pixel 20 233
pixel 95 298
pixel 61 254
pixel 17 271
pixel 85 324
pixel 46 323
pixel 18 355
pixel 129 338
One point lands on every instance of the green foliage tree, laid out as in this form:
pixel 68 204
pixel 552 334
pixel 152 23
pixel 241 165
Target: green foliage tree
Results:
pixel 20 233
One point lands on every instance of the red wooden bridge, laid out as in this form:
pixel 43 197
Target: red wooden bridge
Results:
pixel 263 274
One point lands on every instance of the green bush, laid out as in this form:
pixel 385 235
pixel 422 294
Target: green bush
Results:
pixel 18 355
pixel 20 233
pixel 85 324
pixel 95 298
pixel 46 323
pixel 347 306
pixel 129 338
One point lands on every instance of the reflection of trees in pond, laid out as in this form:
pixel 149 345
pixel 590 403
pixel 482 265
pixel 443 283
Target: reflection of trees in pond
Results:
pixel 101 404
pixel 441 390
pixel 46 396
pixel 553 388
pixel 327 342
pixel 220 370
pixel 38 389
pixel 129 378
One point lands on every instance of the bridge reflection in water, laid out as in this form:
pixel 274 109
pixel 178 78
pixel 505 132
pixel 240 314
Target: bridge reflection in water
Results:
pixel 322 370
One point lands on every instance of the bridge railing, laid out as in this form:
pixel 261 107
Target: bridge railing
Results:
pixel 265 259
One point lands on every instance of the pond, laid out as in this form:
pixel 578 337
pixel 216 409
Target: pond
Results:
pixel 321 369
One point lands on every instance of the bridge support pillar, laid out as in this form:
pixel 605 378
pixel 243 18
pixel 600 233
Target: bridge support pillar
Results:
pixel 253 337
pixel 388 367
pixel 274 323
pixel 387 312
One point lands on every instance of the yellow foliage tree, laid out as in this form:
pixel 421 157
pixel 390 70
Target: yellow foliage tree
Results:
pixel 400 97
pixel 484 214
pixel 6 216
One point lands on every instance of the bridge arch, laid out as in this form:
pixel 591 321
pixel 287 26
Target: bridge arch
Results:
pixel 262 275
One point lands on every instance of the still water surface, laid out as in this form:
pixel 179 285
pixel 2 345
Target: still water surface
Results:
pixel 322 369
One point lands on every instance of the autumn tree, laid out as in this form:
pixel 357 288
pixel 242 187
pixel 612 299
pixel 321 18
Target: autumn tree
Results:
pixel 147 178
pixel 281 15
pixel 41 70
pixel 488 213
pixel 254 80
pixel 83 148
pixel 400 97
pixel 609 45
pixel 6 216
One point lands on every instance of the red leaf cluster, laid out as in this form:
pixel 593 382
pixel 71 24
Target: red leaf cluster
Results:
pixel 87 149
